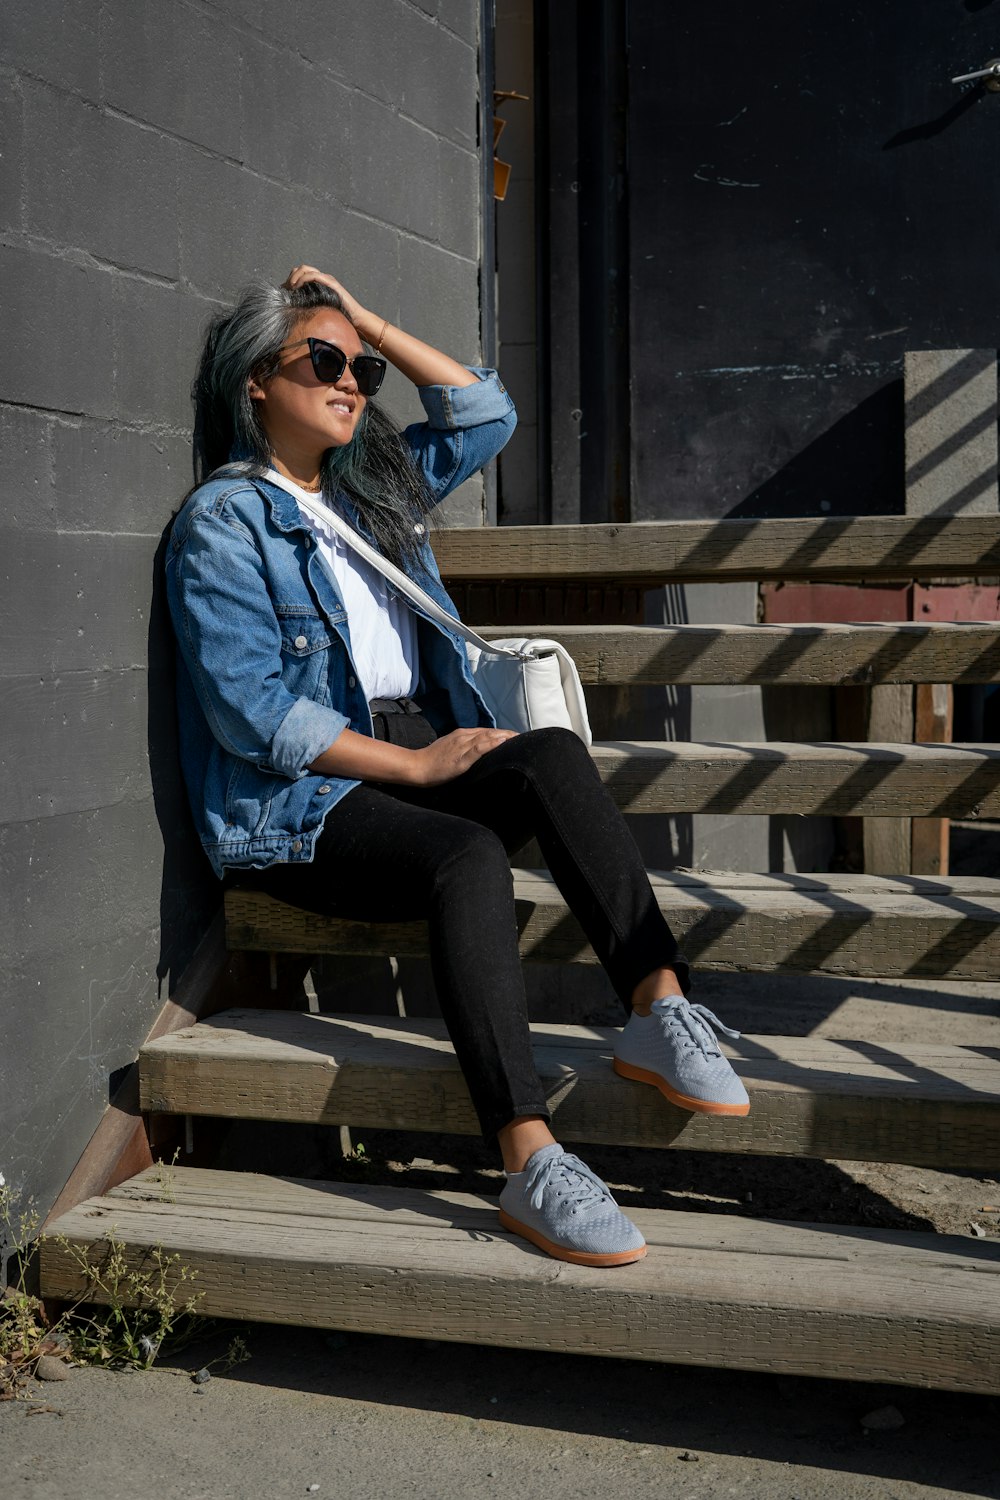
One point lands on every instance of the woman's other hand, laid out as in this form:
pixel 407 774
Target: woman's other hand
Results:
pixel 454 753
pixel 301 274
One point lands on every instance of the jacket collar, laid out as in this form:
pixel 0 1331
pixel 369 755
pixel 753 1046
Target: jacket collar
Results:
pixel 285 511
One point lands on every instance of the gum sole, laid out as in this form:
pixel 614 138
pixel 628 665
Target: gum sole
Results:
pixel 576 1257
pixel 699 1106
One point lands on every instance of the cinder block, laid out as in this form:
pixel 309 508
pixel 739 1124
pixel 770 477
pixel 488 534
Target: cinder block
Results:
pixel 56 40
pixel 361 253
pixel 85 731
pixel 459 199
pixel 176 67
pixel 462 17
pixel 440 298
pixel 58 317
pixel 115 479
pixel 438 79
pixel 951 431
pixel 252 12
pixel 75 602
pixel 78 162
pixel 156 337
pixel 337 38
pixel 237 226
pixel 394 168
pixel 69 855
pixel 517 483
pixel 26 461
pixel 11 152
pixel 307 144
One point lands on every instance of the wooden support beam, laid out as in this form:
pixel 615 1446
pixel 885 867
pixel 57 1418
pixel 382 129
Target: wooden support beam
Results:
pixel 655 552
pixel 945 929
pixel 934 1105
pixel 719 1290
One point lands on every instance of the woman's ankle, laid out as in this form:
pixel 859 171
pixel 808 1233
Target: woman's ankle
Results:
pixel 520 1138
pixel 656 986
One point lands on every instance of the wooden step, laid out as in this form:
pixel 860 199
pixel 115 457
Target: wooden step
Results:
pixel 933 1105
pixel 825 780
pixel 714 1290
pixel 789 654
pixel 651 552
pixel 853 927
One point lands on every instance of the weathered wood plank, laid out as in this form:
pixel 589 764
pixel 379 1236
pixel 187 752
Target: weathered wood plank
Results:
pixel 716 551
pixel 952 933
pixel 713 1290
pixel 789 654
pixel 934 1105
pixel 825 780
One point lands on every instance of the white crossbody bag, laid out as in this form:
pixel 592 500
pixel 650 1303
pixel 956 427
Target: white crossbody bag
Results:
pixel 525 683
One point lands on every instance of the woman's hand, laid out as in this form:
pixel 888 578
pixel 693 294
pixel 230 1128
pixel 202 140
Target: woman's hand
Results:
pixel 352 307
pixel 454 753
pixel 360 756
pixel 419 362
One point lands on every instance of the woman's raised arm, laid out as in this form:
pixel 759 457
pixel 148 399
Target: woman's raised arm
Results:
pixel 419 362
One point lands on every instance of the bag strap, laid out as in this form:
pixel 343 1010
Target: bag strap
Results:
pixel 413 591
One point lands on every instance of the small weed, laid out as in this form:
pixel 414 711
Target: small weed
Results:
pixel 125 1314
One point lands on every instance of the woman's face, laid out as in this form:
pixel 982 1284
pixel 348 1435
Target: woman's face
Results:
pixel 301 414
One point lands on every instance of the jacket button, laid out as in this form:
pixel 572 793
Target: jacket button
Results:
pixel 420 528
pixel 296 846
pixel 352 682
pixel 301 643
pixel 322 791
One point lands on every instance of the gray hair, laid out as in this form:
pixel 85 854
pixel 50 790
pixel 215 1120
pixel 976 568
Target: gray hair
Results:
pixel 375 468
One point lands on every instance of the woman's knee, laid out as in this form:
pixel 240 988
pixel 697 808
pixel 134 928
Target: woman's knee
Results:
pixel 553 753
pixel 476 857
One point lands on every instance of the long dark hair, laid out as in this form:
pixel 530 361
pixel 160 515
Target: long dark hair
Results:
pixel 375 468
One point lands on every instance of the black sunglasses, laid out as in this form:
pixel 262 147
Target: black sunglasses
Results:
pixel 329 364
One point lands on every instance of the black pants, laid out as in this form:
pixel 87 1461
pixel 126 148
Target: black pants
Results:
pixel 391 854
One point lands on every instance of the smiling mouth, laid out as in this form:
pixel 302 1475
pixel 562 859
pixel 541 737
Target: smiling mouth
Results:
pixel 343 406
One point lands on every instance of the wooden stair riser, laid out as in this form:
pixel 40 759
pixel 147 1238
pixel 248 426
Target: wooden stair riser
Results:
pixel 713 1290
pixel 925 1106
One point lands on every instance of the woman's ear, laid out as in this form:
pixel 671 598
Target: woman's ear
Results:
pixel 256 391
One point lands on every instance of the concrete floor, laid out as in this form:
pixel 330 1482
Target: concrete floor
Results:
pixel 377 1417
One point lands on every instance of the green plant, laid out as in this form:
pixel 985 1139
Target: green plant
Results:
pixel 124 1316
pixel 138 1309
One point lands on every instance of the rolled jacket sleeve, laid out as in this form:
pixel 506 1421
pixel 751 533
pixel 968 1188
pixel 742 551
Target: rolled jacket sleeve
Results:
pixel 455 407
pixel 230 640
pixel 466 426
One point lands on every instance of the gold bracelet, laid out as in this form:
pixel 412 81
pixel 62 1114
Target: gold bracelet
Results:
pixel 378 346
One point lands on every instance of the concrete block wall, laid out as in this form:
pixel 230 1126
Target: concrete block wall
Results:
pixel 153 155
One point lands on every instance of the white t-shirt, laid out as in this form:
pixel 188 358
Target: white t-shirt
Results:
pixel 383 629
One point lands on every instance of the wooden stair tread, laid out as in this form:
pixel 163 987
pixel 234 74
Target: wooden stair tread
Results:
pixel 715 551
pixel 900 927
pixel 789 654
pixel 810 779
pixel 714 1289
pixel 929 1105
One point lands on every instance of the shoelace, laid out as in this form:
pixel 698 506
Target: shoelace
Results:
pixel 571 1170
pixel 699 1022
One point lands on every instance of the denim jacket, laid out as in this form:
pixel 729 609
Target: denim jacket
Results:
pixel 265 676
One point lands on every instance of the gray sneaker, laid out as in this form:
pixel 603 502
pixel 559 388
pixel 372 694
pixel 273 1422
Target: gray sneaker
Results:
pixel 566 1210
pixel 675 1049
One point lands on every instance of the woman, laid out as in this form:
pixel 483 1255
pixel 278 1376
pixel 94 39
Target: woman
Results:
pixel 337 754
